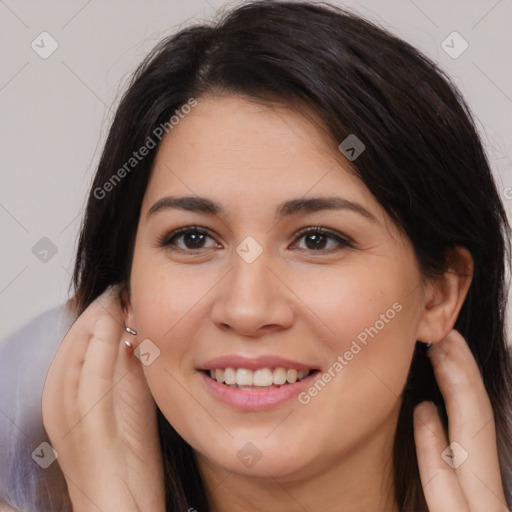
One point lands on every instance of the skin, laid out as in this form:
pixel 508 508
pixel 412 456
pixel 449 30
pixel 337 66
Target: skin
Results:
pixel 295 301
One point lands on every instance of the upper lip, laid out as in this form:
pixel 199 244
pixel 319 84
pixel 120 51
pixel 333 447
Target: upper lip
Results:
pixel 253 363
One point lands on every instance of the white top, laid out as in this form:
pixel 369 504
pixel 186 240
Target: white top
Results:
pixel 25 358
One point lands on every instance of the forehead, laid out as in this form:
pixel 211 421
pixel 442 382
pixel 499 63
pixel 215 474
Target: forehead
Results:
pixel 245 152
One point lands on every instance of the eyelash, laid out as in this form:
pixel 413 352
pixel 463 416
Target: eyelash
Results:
pixel 168 239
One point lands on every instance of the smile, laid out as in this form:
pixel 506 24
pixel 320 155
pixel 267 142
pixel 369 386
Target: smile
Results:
pixel 260 379
pixel 256 389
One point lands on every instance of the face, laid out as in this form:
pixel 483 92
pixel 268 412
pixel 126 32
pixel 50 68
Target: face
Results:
pixel 309 331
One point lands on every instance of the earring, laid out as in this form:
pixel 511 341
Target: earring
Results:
pixel 131 331
pixel 428 344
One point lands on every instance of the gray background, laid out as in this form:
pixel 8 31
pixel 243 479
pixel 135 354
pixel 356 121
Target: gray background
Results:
pixel 55 112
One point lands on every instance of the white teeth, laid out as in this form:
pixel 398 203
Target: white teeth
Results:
pixel 244 377
pixel 262 378
pixel 229 376
pixel 279 377
pixel 291 376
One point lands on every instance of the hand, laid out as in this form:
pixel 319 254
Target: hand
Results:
pixel 101 418
pixel 471 484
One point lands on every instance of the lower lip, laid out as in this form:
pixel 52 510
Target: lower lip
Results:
pixel 257 400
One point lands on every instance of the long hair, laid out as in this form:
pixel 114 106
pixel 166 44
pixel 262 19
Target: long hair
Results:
pixel 423 162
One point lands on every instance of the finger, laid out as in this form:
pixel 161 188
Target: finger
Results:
pixel 131 368
pixel 95 396
pixel 135 407
pixel 105 333
pixel 61 384
pixel 472 431
pixel 440 485
pixel 60 392
pixel 131 380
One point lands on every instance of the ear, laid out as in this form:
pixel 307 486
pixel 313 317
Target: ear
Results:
pixel 444 296
pixel 128 315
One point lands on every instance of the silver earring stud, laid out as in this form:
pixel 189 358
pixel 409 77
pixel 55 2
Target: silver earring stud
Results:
pixel 428 344
pixel 131 331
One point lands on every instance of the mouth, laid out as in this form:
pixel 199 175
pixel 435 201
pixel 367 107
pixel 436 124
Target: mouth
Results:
pixel 260 379
pixel 259 389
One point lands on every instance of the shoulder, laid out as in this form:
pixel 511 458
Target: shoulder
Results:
pixel 25 357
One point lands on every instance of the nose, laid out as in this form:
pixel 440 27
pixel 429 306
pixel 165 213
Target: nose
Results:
pixel 253 298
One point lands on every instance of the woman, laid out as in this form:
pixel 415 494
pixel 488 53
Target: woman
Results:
pixel 291 207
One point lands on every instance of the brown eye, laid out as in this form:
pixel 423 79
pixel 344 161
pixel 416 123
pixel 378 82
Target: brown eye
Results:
pixel 189 238
pixel 318 238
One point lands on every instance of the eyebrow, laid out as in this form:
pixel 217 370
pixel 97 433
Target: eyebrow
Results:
pixel 288 208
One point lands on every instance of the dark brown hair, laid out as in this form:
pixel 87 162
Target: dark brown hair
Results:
pixel 423 162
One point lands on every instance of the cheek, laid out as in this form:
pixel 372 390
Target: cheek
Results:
pixel 164 295
pixel 359 303
pixel 370 315
pixel 169 307
pixel 362 385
